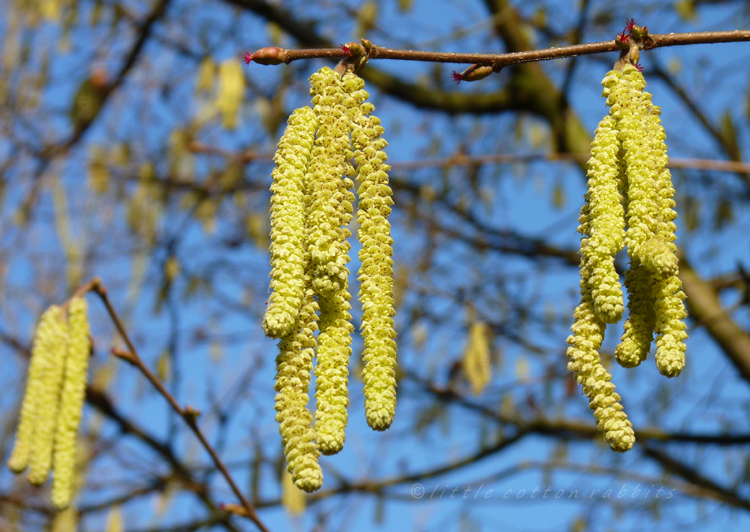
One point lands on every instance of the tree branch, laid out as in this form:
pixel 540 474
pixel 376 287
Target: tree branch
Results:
pixel 706 309
pixel 530 56
pixel 188 414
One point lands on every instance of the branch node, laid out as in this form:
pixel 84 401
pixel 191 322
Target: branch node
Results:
pixel 122 354
pixel 190 414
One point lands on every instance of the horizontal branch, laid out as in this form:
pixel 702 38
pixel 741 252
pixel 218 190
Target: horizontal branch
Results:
pixel 514 58
pixel 252 156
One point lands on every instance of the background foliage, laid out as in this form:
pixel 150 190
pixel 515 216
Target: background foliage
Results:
pixel 136 147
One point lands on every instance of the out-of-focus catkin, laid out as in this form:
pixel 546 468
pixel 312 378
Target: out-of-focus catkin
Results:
pixel 71 403
pixel 288 223
pixel 376 273
pixel 291 497
pixel 48 332
pixel 46 416
pixel 476 362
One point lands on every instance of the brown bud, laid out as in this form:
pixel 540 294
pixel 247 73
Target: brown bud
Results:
pixel 271 55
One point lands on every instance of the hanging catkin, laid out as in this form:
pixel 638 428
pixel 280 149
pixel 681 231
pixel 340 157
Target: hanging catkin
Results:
pixel 50 335
pixel 288 223
pixel 585 363
pixel 295 360
pixel 311 208
pixel 71 403
pixel 46 416
pixel 376 272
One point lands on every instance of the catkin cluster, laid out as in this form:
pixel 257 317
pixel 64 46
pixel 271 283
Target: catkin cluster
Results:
pixel 52 406
pixel 311 207
pixel 628 203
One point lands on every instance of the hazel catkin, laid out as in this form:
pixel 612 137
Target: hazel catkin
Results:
pixel 49 335
pixel 71 403
pixel 288 223
pixel 46 417
pixel 376 273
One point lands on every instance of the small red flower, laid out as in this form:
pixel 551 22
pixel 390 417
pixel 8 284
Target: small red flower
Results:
pixel 345 49
pixel 639 67
pixel 456 76
pixel 247 58
pixel 623 37
pixel 630 24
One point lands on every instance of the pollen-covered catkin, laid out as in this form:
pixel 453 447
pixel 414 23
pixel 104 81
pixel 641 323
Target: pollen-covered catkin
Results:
pixel 588 335
pixel 376 272
pixel 642 203
pixel 639 327
pixel 329 170
pixel 46 416
pixel 47 333
pixel 288 223
pixel 332 372
pixel 667 291
pixel 607 223
pixel 71 403
pixel 294 365
pixel 585 363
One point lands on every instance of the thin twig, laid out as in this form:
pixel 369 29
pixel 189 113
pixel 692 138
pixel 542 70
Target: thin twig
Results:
pixel 188 413
pixel 248 156
pixel 515 58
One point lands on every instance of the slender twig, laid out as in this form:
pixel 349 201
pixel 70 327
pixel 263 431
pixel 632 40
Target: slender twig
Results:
pixel 188 413
pixel 475 160
pixel 515 58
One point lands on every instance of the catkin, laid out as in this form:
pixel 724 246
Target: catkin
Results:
pixel 71 403
pixel 46 416
pixel 288 223
pixel 607 224
pixel 476 361
pixel 293 367
pixel 641 167
pixel 639 327
pixel 629 191
pixel 332 372
pixel 376 272
pixel 331 202
pixel 48 332
pixel 585 363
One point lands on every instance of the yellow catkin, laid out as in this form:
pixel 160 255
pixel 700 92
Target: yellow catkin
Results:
pixel 294 365
pixel 585 363
pixel 667 291
pixel 288 223
pixel 607 222
pixel 639 327
pixel 115 522
pixel 330 213
pixel 71 403
pixel 641 169
pixel 376 272
pixel 476 361
pixel 46 416
pixel 329 172
pixel 291 497
pixel 332 372
pixel 47 333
